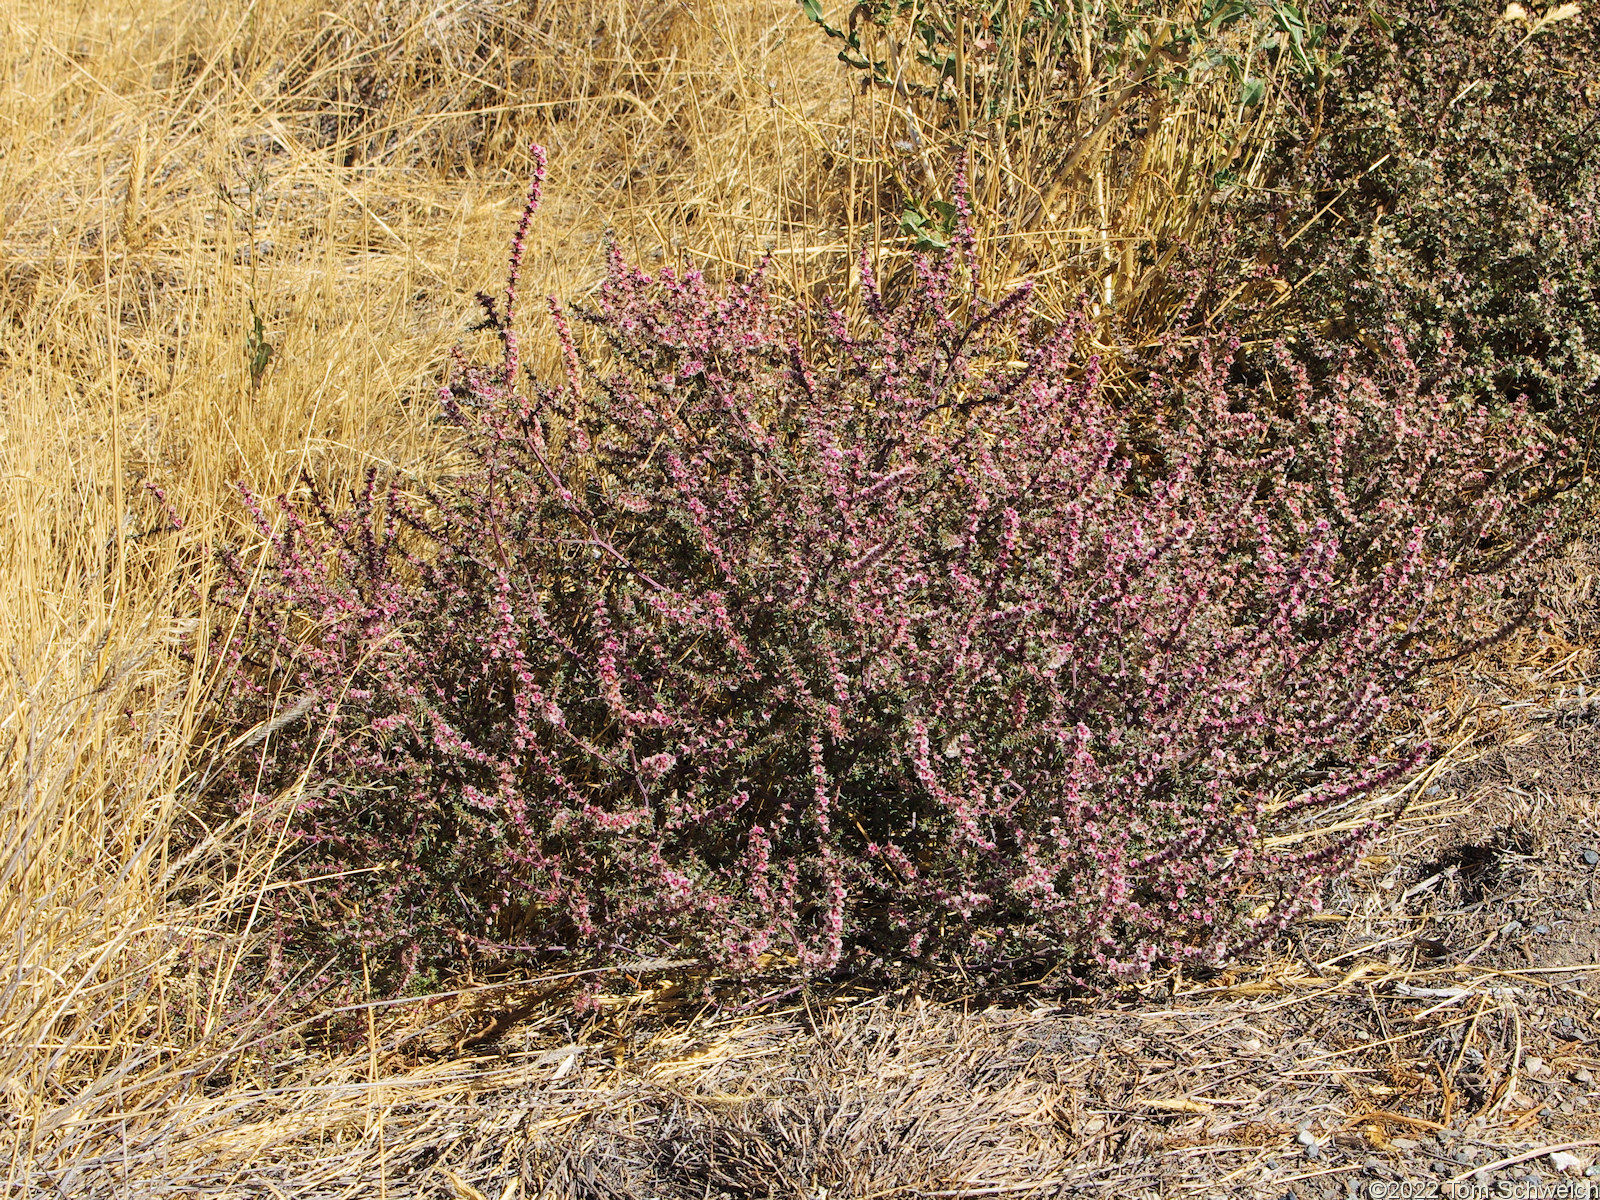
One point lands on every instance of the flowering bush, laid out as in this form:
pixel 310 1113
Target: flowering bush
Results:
pixel 912 644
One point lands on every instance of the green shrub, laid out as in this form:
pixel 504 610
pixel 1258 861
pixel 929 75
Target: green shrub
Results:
pixel 1446 182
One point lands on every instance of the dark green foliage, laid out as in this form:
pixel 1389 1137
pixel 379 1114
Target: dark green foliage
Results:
pixel 1444 184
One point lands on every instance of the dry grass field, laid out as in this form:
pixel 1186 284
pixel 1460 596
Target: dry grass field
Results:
pixel 171 177
pixel 237 242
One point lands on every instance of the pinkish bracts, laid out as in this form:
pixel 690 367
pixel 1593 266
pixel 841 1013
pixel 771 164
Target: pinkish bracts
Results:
pixel 914 644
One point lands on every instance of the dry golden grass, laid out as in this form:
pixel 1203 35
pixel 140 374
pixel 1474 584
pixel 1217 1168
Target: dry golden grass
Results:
pixel 167 173
pixel 346 174
pixel 1088 179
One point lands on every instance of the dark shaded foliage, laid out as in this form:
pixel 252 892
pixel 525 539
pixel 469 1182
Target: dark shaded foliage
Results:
pixel 1443 182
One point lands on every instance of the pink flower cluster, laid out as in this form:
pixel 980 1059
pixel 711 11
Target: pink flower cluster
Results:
pixel 913 640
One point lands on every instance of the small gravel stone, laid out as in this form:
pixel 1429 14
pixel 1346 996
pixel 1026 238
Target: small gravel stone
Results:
pixel 1541 929
pixel 1306 1138
pixel 1533 1064
pixel 1591 857
pixel 1582 1075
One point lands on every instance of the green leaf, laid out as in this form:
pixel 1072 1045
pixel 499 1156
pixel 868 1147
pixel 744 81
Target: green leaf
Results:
pixel 813 9
pixel 1216 15
pixel 1251 91
pixel 258 350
